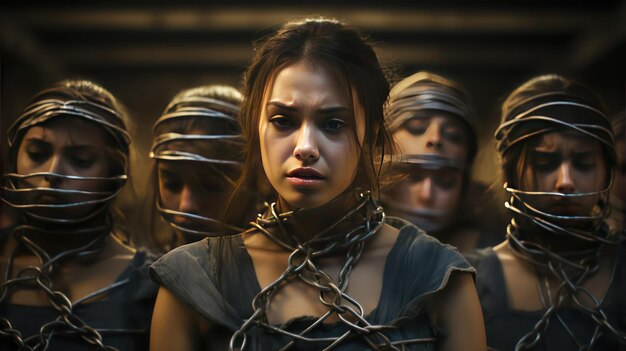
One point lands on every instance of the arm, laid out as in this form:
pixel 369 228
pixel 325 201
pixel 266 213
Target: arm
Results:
pixel 458 310
pixel 173 324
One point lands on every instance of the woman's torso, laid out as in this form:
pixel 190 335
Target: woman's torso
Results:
pixel 416 268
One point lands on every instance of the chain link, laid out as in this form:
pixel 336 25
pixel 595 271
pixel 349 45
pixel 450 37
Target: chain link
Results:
pixel 302 267
pixel 571 272
pixel 67 323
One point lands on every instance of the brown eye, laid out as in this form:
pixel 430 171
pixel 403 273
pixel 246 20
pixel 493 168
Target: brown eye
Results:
pixel 281 122
pixel 334 125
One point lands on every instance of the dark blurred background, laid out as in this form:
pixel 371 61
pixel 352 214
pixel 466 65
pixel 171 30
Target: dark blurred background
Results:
pixel 146 51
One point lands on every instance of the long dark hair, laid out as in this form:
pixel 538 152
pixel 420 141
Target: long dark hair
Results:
pixel 334 46
pixel 531 94
pixel 120 152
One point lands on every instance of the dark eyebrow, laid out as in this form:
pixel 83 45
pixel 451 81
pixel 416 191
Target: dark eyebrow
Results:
pixel 325 111
pixel 281 106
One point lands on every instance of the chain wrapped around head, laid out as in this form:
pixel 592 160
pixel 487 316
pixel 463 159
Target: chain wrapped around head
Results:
pixel 425 91
pixel 302 266
pixel 430 220
pixel 216 142
pixel 19 194
pixel 538 120
pixel 539 114
pixel 50 212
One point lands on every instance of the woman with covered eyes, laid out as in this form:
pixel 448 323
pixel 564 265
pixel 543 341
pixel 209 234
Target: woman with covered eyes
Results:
pixel 69 282
pixel 322 267
pixel 558 281
pixel 198 153
pixel 431 120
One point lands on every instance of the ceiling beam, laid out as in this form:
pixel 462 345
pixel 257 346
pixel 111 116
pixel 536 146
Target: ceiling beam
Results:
pixel 241 55
pixel 25 48
pixel 598 40
pixel 253 19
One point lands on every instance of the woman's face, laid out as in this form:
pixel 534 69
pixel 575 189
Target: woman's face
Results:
pixel 569 164
pixel 437 191
pixel 192 187
pixel 66 146
pixel 433 132
pixel 308 148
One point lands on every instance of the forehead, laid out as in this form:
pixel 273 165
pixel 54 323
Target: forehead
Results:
pixel 567 141
pixel 68 130
pixel 309 84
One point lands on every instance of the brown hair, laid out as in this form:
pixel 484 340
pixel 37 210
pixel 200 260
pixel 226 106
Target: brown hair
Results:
pixel 332 45
pixel 531 94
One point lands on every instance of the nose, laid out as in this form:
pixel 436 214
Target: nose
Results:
pixel 425 191
pixel 433 137
pixel 306 149
pixel 187 202
pixel 565 182
pixel 54 165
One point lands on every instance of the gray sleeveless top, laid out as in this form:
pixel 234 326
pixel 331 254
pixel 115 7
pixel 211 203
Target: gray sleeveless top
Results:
pixel 216 277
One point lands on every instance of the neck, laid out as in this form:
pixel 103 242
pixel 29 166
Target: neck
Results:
pixel 326 221
pixel 56 239
pixel 529 231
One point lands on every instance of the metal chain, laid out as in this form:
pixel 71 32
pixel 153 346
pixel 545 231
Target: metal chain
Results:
pixel 39 277
pixel 302 267
pixel 571 272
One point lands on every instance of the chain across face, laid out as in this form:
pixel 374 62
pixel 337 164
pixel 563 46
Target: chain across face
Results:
pixel 428 191
pixel 197 166
pixel 563 190
pixel 65 176
pixel 65 171
pixel 566 181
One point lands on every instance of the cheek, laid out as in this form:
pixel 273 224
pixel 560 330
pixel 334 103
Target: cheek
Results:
pixel 447 198
pixel 168 199
pixel 408 143
pixel 455 150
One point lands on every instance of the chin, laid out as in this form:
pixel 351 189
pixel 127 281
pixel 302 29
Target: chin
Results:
pixel 305 201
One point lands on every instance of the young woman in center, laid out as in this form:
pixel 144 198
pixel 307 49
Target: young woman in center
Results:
pixel 322 267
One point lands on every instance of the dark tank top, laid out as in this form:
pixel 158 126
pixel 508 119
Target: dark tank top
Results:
pixel 123 318
pixel 505 326
pixel 216 277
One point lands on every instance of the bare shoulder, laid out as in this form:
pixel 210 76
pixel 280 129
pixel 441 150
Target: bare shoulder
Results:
pixel 457 309
pixel 164 334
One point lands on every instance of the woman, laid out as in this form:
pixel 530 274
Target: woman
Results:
pixel 431 120
pixel 69 282
pixel 557 282
pixel 198 152
pixel 309 272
